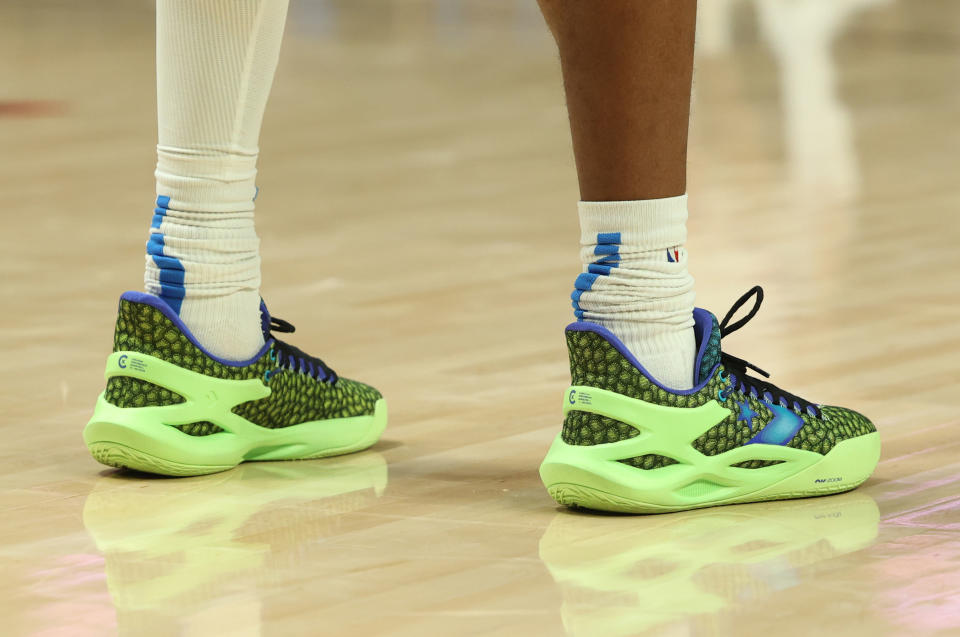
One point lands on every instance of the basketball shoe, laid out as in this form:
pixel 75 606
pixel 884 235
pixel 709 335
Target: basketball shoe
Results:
pixel 629 444
pixel 172 408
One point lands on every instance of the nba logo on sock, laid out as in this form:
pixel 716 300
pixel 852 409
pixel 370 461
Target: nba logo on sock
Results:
pixel 673 254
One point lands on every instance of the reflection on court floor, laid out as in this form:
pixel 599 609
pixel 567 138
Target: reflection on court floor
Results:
pixel 180 552
pixel 625 576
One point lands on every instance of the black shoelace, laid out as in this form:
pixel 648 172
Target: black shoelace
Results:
pixel 737 367
pixel 295 359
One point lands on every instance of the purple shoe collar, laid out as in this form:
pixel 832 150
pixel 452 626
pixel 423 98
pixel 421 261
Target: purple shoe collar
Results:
pixel 703 325
pixel 160 304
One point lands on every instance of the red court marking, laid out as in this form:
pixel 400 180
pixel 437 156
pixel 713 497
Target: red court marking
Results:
pixel 31 108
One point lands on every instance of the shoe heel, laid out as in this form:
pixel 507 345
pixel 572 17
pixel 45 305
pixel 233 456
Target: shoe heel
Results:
pixel 139 439
pixel 147 438
pixel 577 476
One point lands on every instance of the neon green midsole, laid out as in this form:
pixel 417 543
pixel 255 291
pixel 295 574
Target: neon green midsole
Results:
pixel 152 430
pixel 696 479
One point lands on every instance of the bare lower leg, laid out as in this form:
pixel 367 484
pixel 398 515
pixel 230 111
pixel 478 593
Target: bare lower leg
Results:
pixel 627 68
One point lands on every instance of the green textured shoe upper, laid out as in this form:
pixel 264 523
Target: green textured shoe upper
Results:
pixel 595 362
pixel 295 397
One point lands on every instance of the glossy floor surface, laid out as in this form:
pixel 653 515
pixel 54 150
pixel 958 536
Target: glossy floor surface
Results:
pixel 417 213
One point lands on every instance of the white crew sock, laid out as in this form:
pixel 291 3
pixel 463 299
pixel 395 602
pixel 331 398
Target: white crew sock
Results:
pixel 635 282
pixel 215 65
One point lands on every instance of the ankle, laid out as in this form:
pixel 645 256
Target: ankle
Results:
pixel 636 284
pixel 206 266
pixel 228 326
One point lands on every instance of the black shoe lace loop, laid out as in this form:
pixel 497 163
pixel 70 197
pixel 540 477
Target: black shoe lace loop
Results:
pixel 295 359
pixel 279 325
pixel 738 367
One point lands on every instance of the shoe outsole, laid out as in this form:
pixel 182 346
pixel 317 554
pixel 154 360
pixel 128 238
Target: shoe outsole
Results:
pixel 160 449
pixel 576 479
pixel 120 456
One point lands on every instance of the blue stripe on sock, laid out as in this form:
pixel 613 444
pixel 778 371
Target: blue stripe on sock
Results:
pixel 172 277
pixel 160 211
pixel 172 289
pixel 167 263
pixel 612 260
pixel 608 237
pixel 584 281
pixel 575 299
pixel 606 248
pixel 155 245
pixel 173 295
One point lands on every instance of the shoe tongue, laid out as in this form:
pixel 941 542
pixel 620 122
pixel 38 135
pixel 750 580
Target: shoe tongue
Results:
pixel 264 320
pixel 707 330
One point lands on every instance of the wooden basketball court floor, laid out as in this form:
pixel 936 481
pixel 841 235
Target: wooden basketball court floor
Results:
pixel 417 213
